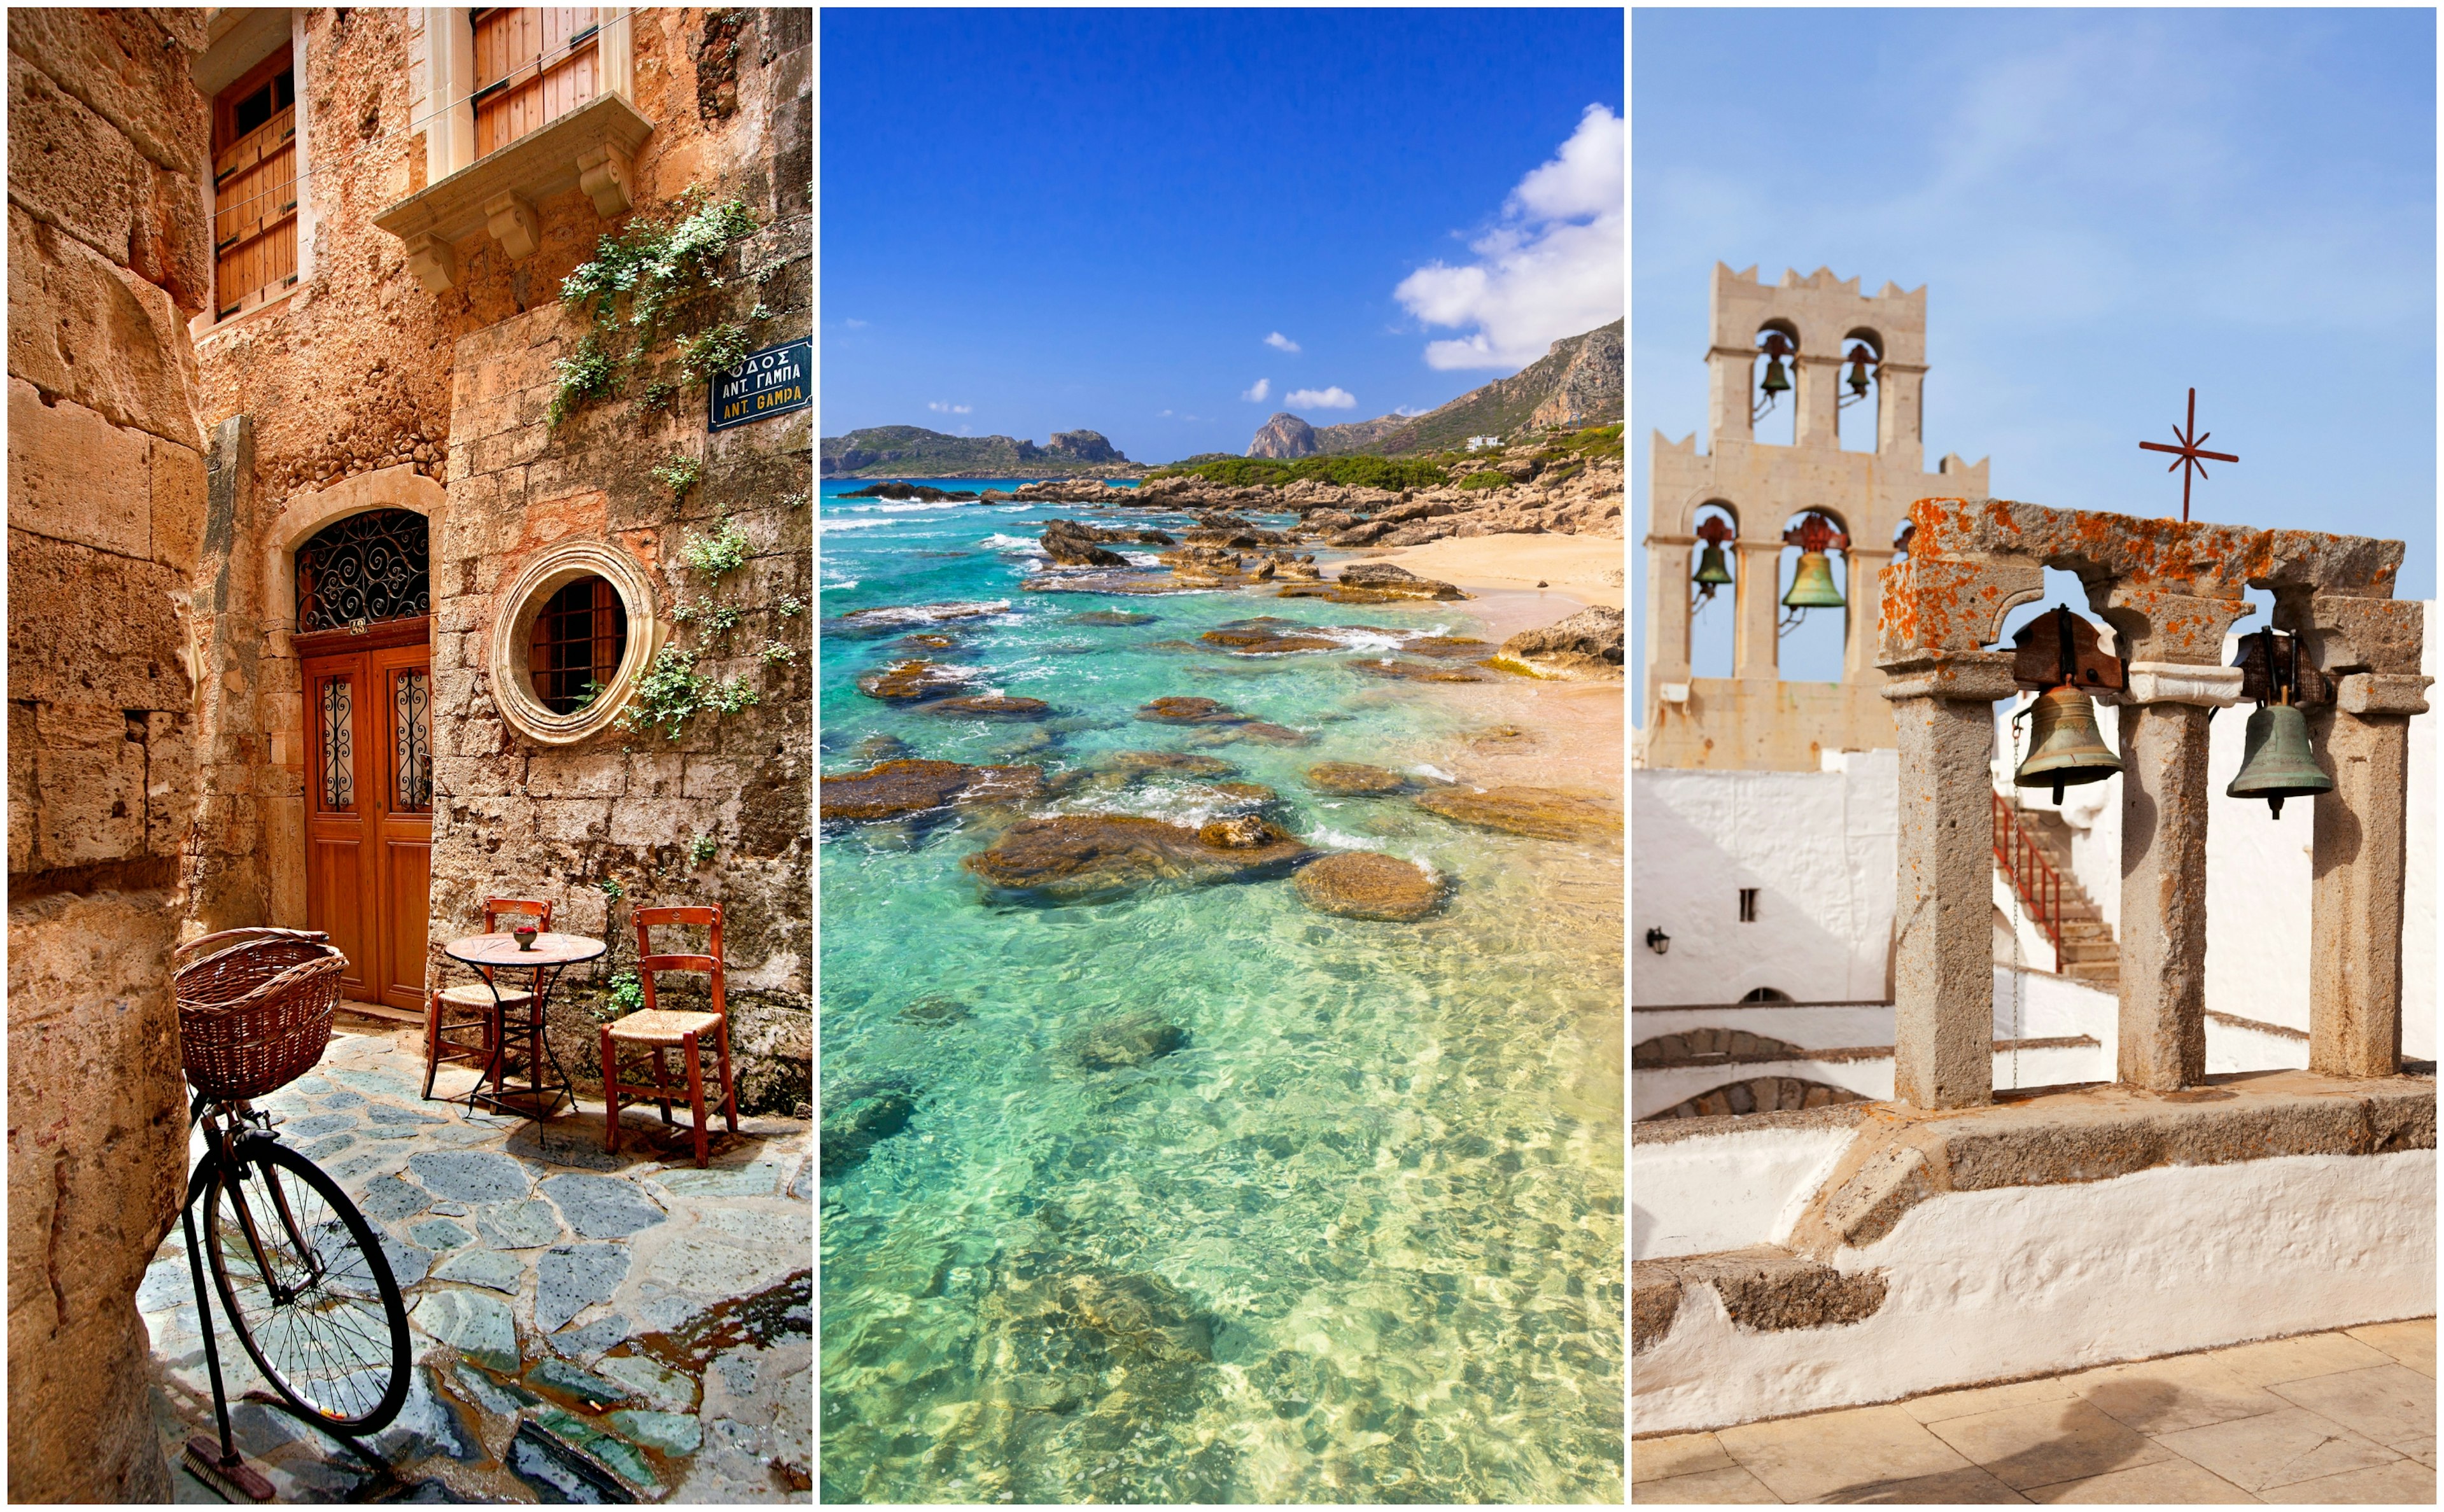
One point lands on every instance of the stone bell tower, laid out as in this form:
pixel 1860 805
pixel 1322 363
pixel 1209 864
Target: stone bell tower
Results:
pixel 1753 720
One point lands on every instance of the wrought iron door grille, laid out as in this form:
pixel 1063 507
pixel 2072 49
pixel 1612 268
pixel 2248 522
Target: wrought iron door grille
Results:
pixel 366 569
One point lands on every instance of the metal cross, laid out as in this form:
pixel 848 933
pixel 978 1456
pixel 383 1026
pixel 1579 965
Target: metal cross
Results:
pixel 2188 453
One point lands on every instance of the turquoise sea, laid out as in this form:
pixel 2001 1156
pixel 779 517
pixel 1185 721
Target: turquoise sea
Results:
pixel 1358 1238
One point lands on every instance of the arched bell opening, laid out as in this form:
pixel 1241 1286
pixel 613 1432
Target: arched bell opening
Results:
pixel 1814 597
pixel 1773 384
pixel 1857 391
pixel 1713 591
pixel 2043 734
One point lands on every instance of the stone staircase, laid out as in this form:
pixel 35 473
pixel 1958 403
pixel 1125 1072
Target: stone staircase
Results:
pixel 2089 954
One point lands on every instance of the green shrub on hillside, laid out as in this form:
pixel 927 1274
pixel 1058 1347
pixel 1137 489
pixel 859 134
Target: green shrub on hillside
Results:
pixel 1342 472
pixel 1485 480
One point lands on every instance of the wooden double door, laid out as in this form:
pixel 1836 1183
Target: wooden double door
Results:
pixel 369 803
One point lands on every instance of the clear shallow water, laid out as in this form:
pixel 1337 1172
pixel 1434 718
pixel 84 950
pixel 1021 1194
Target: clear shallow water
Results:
pixel 1359 1239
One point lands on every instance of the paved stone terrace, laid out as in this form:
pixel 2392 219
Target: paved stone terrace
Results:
pixel 587 1327
pixel 2347 1416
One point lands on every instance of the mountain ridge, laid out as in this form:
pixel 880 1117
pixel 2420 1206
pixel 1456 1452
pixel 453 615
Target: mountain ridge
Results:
pixel 913 451
pixel 1578 382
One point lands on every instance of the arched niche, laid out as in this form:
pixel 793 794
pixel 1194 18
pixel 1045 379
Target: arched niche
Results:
pixel 307 515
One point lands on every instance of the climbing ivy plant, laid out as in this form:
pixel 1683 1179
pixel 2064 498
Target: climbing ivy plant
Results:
pixel 673 690
pixel 649 288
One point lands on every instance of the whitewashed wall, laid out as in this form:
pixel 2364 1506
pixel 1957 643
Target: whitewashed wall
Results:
pixel 1821 849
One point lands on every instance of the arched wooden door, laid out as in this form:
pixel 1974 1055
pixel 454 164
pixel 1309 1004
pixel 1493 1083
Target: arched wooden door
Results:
pixel 368 695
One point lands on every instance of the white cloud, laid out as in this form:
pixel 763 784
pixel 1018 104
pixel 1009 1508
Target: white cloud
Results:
pixel 1405 409
pixel 1281 342
pixel 1335 397
pixel 1552 268
pixel 1256 394
pixel 940 408
pixel 856 325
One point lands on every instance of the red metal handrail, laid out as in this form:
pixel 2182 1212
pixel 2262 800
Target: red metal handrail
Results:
pixel 2032 876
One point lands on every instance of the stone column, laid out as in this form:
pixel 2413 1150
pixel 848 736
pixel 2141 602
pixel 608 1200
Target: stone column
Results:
pixel 1729 417
pixel 1667 609
pixel 2354 899
pixel 1755 648
pixel 2163 931
pixel 1817 383
pixel 1863 588
pixel 1943 981
pixel 1899 387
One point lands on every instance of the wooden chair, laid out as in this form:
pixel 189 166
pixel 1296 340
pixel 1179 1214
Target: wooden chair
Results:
pixel 660 1030
pixel 473 1002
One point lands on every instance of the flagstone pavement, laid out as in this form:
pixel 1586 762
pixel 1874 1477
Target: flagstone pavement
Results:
pixel 587 1327
pixel 2345 1416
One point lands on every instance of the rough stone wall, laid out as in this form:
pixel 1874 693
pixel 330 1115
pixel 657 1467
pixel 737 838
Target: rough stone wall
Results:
pixel 513 818
pixel 351 374
pixel 105 516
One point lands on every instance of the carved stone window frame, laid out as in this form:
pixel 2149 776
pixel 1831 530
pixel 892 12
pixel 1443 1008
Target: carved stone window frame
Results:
pixel 512 681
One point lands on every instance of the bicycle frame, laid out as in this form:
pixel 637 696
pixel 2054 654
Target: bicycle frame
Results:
pixel 235 1168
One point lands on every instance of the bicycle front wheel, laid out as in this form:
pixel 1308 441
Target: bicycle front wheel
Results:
pixel 307 1288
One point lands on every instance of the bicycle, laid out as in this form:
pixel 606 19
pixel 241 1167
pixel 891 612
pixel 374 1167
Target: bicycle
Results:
pixel 301 1273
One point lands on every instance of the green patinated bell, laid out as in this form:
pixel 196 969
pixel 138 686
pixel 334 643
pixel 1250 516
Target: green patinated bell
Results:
pixel 2064 748
pixel 2281 761
pixel 1711 571
pixel 1776 380
pixel 1812 585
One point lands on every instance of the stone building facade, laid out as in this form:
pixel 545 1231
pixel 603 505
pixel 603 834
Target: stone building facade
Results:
pixel 108 260
pixel 1753 720
pixel 391 397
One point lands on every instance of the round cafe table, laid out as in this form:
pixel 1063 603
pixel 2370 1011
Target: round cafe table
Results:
pixel 551 955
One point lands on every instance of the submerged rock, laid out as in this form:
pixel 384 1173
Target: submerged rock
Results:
pixel 1264 733
pixel 1250 631
pixel 1287 645
pixel 1256 793
pixel 993 705
pixel 935 1011
pixel 1080 856
pixel 1589 641
pixel 867 623
pixel 1334 593
pixel 879 748
pixel 858 1117
pixel 1170 761
pixel 1544 813
pixel 1111 616
pixel 1368 885
pixel 1416 671
pixel 1240 833
pixel 1447 646
pixel 1131 1040
pixel 1382 577
pixel 910 682
pixel 1354 779
pixel 900 789
pixel 1188 711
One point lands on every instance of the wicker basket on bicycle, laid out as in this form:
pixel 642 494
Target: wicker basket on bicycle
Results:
pixel 254 1007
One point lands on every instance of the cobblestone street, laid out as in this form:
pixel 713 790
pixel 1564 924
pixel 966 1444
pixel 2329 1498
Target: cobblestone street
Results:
pixel 587 1327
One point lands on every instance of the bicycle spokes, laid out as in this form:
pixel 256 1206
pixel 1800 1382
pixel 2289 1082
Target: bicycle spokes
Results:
pixel 303 1291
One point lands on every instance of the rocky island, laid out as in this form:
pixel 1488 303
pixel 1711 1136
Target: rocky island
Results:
pixel 913 451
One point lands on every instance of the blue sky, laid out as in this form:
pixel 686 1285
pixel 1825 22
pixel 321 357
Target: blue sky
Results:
pixel 1127 220
pixel 2108 208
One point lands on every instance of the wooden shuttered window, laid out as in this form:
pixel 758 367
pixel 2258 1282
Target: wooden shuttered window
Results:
pixel 532 65
pixel 577 640
pixel 255 187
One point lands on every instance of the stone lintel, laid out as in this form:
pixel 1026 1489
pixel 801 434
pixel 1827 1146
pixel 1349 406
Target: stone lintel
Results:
pixel 2367 692
pixel 1947 605
pixel 2173 682
pixel 1978 676
pixel 2209 561
pixel 1765 1289
pixel 1903 1157
pixel 2345 634
pixel 2159 625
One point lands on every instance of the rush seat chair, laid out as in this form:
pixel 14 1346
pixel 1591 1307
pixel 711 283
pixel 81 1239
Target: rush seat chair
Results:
pixel 449 1012
pixel 659 1030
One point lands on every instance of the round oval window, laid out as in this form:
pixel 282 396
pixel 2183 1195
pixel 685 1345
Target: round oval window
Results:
pixel 580 635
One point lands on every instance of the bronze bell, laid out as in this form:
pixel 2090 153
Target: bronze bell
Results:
pixel 1812 585
pixel 2281 761
pixel 1711 570
pixel 1776 380
pixel 2066 749
pixel 1858 372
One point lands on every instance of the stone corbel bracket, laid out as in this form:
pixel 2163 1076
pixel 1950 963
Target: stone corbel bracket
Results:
pixel 2370 692
pixel 593 148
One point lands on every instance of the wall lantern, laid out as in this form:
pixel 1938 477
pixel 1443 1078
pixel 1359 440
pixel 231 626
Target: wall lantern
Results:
pixel 1658 941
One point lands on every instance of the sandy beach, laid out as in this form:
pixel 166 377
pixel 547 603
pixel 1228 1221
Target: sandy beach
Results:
pixel 1591 567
